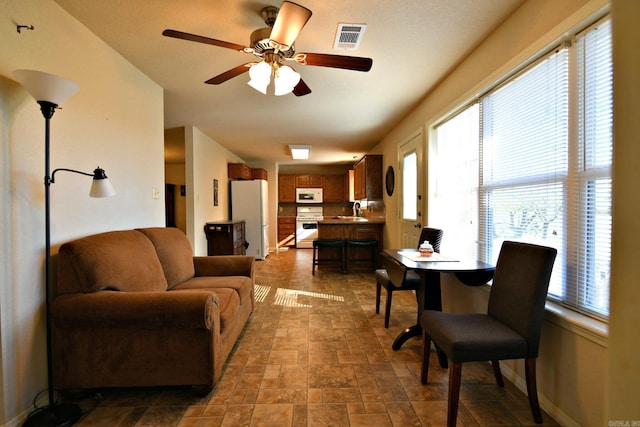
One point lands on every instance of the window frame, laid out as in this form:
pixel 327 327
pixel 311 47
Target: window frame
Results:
pixel 591 175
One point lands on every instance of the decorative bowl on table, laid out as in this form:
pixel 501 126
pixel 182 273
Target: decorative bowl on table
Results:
pixel 425 249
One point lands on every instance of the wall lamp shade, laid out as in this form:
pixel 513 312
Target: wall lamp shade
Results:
pixel 46 87
pixel 300 152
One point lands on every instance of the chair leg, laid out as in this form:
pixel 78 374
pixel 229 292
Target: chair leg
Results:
pixel 497 373
pixel 313 263
pixel 426 351
pixel 532 389
pixel 387 308
pixel 378 293
pixel 455 371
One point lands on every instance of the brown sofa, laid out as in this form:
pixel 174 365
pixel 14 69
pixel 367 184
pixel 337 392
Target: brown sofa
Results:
pixel 135 308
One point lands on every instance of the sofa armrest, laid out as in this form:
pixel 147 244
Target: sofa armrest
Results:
pixel 136 310
pixel 224 265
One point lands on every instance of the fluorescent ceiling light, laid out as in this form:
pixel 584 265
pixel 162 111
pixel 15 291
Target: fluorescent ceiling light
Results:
pixel 300 152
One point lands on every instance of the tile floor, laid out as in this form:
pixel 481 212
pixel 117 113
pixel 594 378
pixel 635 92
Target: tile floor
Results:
pixel 314 353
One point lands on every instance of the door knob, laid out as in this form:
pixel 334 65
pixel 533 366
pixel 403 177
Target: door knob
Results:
pixel 417 225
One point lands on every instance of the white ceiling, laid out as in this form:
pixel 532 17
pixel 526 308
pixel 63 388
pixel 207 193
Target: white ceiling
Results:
pixel 413 44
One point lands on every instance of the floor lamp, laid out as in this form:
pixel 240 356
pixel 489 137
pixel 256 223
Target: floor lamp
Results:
pixel 50 91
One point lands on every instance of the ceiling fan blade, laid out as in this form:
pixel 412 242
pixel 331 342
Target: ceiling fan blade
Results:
pixel 291 18
pixel 201 39
pixel 355 63
pixel 227 75
pixel 301 89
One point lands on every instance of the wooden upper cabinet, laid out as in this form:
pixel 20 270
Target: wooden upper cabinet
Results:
pixel 367 178
pixel 242 171
pixel 309 181
pixel 238 171
pixel 287 188
pixel 333 189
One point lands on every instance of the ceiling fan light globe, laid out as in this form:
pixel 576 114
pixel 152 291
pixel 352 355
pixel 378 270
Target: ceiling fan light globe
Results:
pixel 259 85
pixel 285 80
pixel 260 72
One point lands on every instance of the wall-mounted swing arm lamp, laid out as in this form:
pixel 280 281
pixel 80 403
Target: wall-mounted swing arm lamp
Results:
pixel 50 91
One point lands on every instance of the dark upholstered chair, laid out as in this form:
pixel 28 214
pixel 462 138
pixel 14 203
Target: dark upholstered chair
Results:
pixel 509 330
pixel 411 280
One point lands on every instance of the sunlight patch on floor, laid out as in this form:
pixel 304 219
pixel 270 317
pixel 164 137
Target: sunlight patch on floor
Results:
pixel 289 297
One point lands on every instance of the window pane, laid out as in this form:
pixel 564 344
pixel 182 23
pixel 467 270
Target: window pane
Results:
pixel 454 206
pixel 410 187
pixel 525 161
pixel 531 214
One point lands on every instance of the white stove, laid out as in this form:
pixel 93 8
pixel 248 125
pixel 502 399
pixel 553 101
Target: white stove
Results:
pixel 307 225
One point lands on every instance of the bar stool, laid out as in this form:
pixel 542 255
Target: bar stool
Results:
pixel 328 243
pixel 371 244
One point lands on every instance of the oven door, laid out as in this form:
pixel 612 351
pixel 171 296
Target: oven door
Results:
pixel 306 232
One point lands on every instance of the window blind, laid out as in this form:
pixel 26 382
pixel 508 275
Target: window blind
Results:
pixel 587 286
pixel 524 161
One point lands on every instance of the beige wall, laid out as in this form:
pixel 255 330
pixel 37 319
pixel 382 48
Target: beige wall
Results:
pixel 584 378
pixel 206 160
pixel 115 121
pixel 624 343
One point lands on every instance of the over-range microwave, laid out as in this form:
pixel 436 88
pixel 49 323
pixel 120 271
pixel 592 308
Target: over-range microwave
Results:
pixel 308 195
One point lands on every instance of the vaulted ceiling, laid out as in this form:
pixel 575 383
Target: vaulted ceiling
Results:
pixel 413 44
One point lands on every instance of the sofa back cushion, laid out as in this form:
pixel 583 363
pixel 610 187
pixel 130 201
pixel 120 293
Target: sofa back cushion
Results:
pixel 174 251
pixel 116 260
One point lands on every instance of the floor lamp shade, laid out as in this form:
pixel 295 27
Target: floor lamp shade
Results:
pixel 46 87
pixel 100 185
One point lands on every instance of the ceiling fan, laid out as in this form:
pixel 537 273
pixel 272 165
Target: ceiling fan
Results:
pixel 275 46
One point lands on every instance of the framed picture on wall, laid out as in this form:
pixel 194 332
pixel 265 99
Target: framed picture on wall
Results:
pixel 215 192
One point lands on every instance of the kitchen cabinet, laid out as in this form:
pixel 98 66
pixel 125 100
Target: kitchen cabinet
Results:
pixel 367 178
pixel 242 171
pixel 225 238
pixel 238 171
pixel 286 231
pixel 334 189
pixel 286 188
pixel 310 181
pixel 258 173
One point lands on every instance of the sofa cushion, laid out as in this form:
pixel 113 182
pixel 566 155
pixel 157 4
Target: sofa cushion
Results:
pixel 174 251
pixel 240 284
pixel 116 260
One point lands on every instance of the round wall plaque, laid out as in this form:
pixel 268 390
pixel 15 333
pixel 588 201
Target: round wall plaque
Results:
pixel 390 179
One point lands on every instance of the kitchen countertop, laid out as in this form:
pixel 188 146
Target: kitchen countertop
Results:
pixel 350 220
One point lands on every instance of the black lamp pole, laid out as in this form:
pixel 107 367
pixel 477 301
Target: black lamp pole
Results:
pixel 54 414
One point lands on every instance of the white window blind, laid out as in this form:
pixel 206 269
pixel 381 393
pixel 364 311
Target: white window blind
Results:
pixel 587 286
pixel 528 162
pixel 524 161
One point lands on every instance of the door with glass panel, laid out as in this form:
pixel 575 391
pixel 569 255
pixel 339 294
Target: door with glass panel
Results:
pixel 411 202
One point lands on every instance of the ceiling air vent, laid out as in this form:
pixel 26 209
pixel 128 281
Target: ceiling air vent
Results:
pixel 349 36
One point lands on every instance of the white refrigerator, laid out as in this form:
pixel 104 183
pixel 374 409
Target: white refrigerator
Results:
pixel 249 202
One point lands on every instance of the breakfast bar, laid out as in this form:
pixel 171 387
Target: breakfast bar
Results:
pixel 352 229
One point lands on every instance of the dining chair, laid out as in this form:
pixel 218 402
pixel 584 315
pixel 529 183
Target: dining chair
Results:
pixel 509 330
pixel 411 280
